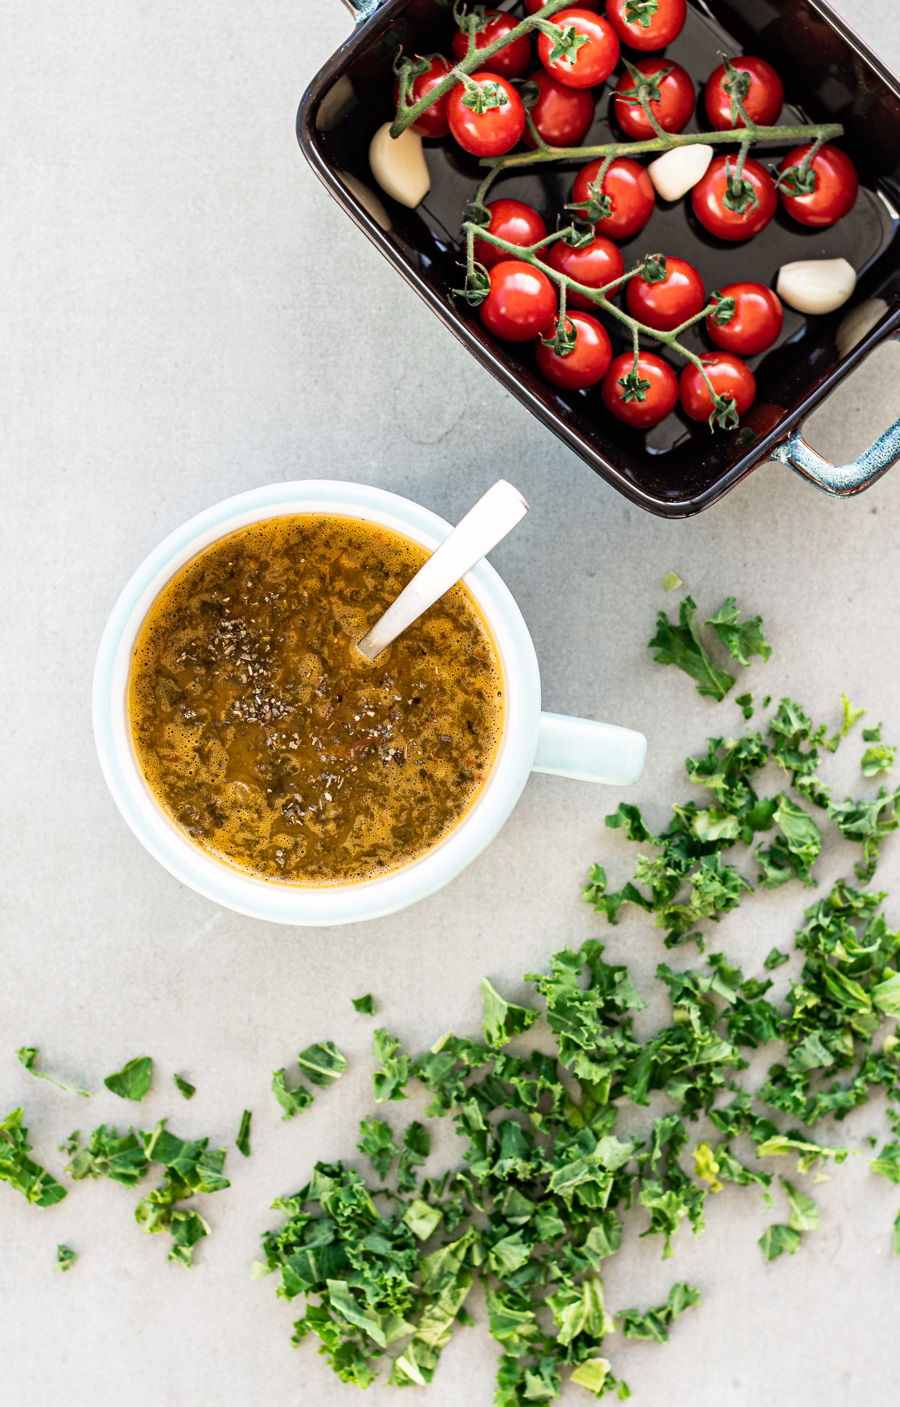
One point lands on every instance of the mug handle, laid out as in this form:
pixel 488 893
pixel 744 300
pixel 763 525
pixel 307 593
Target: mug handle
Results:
pixel 588 751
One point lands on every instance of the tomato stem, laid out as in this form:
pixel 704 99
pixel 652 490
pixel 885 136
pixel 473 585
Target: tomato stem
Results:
pixel 824 131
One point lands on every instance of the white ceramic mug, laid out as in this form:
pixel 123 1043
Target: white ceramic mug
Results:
pixel 531 740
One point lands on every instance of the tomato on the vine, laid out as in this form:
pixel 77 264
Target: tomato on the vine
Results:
pixel 595 265
pixel 754 82
pixel 670 300
pixel 513 221
pixel 490 122
pixel 587 361
pixel 512 60
pixel 754 325
pixel 433 121
pixel 641 396
pixel 647 24
pixel 671 99
pixel 562 115
pixel 823 194
pixel 521 301
pixel 587 52
pixel 626 195
pixel 728 375
pixel 731 209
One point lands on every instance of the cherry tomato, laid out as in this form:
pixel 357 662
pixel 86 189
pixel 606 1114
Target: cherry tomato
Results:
pixel 762 101
pixel 433 121
pixel 532 6
pixel 512 60
pixel 496 129
pixel 755 323
pixel 586 364
pixel 652 394
pixel 669 303
pixel 835 186
pixel 521 302
pixel 593 61
pixel 672 107
pixel 729 377
pixel 514 221
pixel 647 24
pixel 562 115
pixel 595 265
pixel 708 199
pixel 629 191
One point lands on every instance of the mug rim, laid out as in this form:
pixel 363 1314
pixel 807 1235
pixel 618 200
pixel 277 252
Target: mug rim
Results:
pixel 280 901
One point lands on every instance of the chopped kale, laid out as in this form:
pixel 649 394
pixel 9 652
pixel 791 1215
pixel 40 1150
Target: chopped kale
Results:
pixel 364 1005
pixel 133 1080
pixel 36 1185
pixel 27 1056
pixel 242 1142
pixel 184 1087
pixel 65 1258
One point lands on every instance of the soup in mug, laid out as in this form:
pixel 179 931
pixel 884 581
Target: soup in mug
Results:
pixel 275 745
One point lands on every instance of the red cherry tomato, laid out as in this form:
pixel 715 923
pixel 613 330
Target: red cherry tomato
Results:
pixel 512 60
pixel 562 115
pixel 672 108
pixel 709 196
pixel 647 24
pixel 669 303
pixel 593 61
pixel 511 220
pixel 835 186
pixel 433 121
pixel 532 6
pixel 595 265
pixel 521 302
pixel 586 364
pixel 762 101
pixel 755 323
pixel 629 191
pixel 729 377
pixel 651 394
pixel 493 131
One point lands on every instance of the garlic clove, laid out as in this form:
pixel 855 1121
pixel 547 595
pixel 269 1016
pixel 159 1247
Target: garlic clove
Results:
pixel 398 165
pixel 677 171
pixel 857 323
pixel 816 285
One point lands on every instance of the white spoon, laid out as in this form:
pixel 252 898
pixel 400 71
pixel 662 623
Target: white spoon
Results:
pixel 494 515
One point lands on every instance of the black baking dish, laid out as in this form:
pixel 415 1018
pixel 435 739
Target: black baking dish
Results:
pixel 678 468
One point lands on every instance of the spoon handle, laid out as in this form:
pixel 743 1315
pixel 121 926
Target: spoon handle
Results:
pixel 493 516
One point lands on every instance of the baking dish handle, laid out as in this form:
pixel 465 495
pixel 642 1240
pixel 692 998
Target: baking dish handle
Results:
pixel 362 9
pixel 841 480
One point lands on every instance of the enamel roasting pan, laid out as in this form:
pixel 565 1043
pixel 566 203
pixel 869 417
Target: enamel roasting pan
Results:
pixel 678 468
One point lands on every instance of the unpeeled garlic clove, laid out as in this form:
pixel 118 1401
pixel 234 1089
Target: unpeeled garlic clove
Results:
pixel 816 285
pixel 398 165
pixel 677 171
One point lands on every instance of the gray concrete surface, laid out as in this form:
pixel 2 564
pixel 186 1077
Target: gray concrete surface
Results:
pixel 185 314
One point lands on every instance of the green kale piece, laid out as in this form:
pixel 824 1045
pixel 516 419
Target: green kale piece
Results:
pixel 65 1258
pixel 27 1056
pixel 897 1235
pixel 190 1167
pixel 804 1214
pixel 377 1142
pixel 776 959
pixel 242 1142
pixel 743 638
pixel 364 1005
pixel 867 821
pixel 655 1323
pixel 880 757
pixel 502 1019
pixel 292 1101
pixel 109 1154
pixel 681 645
pixel 671 581
pixel 36 1185
pixel 394 1069
pixel 184 1086
pixel 133 1080
pixel 776 1239
pixel 322 1064
pixel 887 1164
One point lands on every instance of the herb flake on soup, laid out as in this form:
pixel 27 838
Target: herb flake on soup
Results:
pixel 272 742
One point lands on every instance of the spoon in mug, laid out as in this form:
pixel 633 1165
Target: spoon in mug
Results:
pixel 493 516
